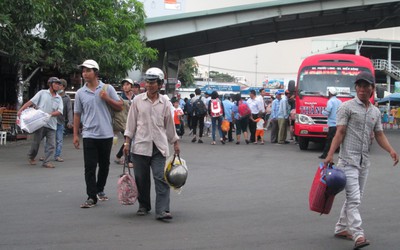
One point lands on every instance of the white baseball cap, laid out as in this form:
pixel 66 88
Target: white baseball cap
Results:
pixel 91 64
pixel 127 80
pixel 332 90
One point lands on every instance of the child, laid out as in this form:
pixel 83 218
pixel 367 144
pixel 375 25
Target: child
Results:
pixel 260 128
pixel 385 120
pixel 178 112
pixel 391 121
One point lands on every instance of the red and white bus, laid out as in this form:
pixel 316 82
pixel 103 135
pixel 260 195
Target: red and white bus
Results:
pixel 316 74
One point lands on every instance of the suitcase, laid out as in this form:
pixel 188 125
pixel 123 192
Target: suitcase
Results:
pixel 319 200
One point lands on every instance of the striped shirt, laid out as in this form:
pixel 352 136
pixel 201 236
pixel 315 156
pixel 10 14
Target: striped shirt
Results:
pixel 360 123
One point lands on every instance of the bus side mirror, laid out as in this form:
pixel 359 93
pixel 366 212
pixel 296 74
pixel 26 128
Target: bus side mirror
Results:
pixel 380 92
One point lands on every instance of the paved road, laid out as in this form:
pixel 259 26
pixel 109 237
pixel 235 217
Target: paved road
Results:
pixel 236 197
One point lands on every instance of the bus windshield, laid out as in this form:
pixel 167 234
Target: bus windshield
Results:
pixel 314 80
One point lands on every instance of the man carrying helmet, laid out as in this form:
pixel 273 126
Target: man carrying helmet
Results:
pixel 151 127
pixel 356 120
pixel 330 111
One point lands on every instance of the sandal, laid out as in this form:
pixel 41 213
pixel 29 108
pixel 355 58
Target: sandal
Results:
pixel 213 143
pixel 361 242
pixel 88 203
pixel 344 235
pixel 48 165
pixel 102 196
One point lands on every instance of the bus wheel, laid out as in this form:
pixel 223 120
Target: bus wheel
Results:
pixel 303 143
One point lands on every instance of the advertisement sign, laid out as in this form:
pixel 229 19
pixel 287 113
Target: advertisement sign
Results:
pixel 396 87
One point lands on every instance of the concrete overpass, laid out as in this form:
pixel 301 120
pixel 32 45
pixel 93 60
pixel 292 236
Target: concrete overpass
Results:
pixel 198 33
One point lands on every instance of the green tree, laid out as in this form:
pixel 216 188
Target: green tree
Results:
pixel 59 34
pixel 188 68
pixel 221 77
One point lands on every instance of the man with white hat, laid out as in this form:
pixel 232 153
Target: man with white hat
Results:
pixel 330 111
pixel 91 109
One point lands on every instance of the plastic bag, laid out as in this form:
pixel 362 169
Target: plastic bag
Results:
pixel 181 172
pixel 225 125
pixel 32 119
pixel 127 189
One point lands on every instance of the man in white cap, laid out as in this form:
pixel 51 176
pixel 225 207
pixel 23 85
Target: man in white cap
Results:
pixel 50 102
pixel 90 109
pixel 356 120
pixel 330 111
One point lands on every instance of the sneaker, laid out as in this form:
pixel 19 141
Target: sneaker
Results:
pixel 247 141
pixel 222 141
pixel 142 211
pixel 59 159
pixel 41 159
pixel 194 139
pixel 48 165
pixel 238 142
pixel 322 156
pixel 200 141
pixel 88 203
pixel 164 216
pixel 102 196
pixel 32 161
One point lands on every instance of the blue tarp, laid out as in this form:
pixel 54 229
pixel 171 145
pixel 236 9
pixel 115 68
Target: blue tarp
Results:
pixel 392 98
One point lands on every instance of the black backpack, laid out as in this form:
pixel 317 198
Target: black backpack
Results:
pixel 199 108
pixel 188 108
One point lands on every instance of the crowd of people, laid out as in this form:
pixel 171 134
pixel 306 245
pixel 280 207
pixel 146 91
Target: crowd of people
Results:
pixel 155 121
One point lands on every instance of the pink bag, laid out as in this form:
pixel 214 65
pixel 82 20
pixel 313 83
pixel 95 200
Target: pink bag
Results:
pixel 127 189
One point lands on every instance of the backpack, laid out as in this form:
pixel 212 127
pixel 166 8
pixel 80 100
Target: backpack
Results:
pixel 243 109
pixel 216 108
pixel 127 189
pixel 118 117
pixel 199 108
pixel 188 108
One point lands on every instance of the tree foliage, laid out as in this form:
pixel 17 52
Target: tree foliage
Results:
pixel 221 77
pixel 62 33
pixel 188 67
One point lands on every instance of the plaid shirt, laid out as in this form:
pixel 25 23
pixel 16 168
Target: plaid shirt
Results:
pixel 360 123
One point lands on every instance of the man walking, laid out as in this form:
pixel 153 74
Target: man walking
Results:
pixel 330 111
pixel 50 102
pixel 199 112
pixel 151 124
pixel 91 109
pixel 356 120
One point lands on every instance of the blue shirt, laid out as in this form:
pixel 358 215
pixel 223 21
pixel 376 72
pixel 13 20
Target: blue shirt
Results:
pixel 331 110
pixel 95 116
pixel 48 103
pixel 228 105
pixel 275 109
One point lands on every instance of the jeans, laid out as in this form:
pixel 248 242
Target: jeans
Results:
pixel 39 134
pixel 214 121
pixel 96 151
pixel 59 140
pixel 156 163
pixel 350 218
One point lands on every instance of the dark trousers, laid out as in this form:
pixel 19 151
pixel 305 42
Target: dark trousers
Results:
pixel 143 164
pixel 190 121
pixel 274 130
pixel 329 138
pixel 253 127
pixel 198 120
pixel 96 151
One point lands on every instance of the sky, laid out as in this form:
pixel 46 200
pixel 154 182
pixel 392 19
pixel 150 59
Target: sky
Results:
pixel 272 60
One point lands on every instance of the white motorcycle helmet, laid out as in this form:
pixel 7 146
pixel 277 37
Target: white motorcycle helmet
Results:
pixel 154 74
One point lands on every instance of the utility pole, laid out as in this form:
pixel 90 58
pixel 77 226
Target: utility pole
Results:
pixel 255 82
